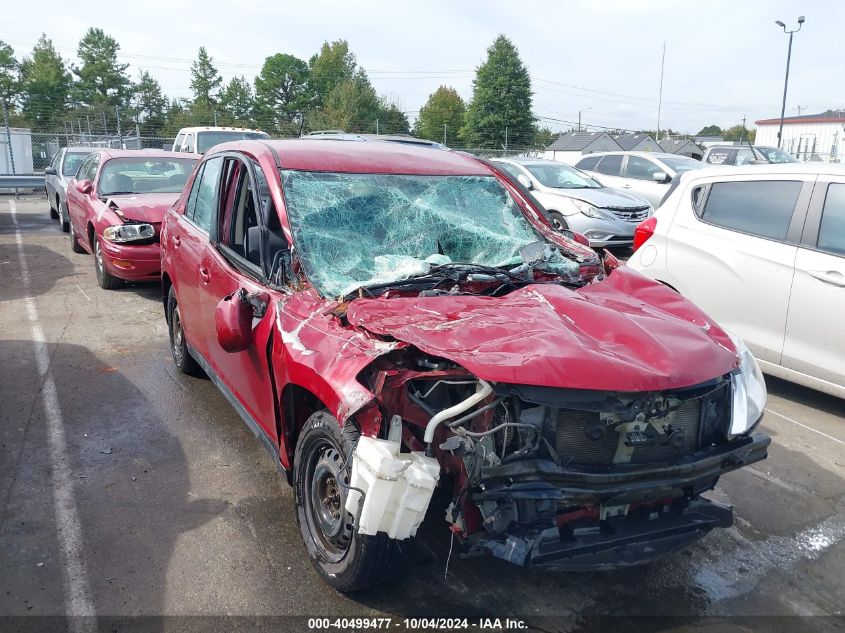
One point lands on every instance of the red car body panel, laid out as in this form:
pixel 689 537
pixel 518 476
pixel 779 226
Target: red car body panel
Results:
pixel 622 334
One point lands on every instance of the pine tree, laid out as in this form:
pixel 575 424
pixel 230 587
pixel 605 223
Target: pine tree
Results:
pixel 45 85
pixel 101 81
pixel 205 81
pixel 501 101
pixel 237 102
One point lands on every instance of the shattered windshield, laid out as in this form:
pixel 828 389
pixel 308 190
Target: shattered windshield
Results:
pixel 355 230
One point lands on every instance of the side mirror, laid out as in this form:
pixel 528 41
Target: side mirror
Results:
pixel 577 237
pixel 50 171
pixel 85 187
pixel 661 177
pixel 233 321
pixel 525 181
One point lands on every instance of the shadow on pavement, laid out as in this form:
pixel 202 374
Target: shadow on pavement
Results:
pixel 45 268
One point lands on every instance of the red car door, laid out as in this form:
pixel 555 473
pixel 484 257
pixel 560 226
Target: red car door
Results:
pixel 232 264
pixel 188 245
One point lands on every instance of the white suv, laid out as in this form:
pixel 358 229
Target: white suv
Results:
pixel 201 139
pixel 762 250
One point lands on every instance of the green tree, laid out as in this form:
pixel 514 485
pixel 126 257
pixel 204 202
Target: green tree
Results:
pixel 101 81
pixel 149 104
pixel 237 102
pixel 391 120
pixel 442 117
pixel 44 86
pixel 738 133
pixel 501 101
pixel 710 130
pixel 282 92
pixel 8 73
pixel 352 106
pixel 205 81
pixel 333 65
pixel 544 137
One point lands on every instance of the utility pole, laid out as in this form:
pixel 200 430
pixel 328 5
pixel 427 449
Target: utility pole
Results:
pixel 88 120
pixel 660 93
pixel 506 141
pixel 215 118
pixel 105 125
pixel 9 138
pixel 579 120
pixel 444 133
pixel 786 78
pixel 377 126
pixel 742 131
pixel 117 116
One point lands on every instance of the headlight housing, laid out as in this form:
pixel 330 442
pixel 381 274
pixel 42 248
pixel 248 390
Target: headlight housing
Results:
pixel 129 232
pixel 749 391
pixel 590 210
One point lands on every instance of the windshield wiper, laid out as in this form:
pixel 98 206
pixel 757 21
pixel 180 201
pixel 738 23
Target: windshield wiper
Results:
pixel 437 274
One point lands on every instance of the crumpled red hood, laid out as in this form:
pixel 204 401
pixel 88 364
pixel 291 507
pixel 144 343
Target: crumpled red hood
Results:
pixel 625 333
pixel 145 207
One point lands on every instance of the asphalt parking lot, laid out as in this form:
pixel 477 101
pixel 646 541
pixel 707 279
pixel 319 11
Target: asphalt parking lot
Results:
pixel 130 489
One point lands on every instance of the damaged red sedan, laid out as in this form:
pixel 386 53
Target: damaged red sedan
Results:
pixel 390 319
pixel 115 207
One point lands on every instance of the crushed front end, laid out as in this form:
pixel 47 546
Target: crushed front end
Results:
pixel 573 479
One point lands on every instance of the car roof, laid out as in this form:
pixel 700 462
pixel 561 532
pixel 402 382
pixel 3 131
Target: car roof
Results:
pixel 836 169
pixel 315 154
pixel 529 161
pixel 108 154
pixel 657 155
pixel 80 150
pixel 213 128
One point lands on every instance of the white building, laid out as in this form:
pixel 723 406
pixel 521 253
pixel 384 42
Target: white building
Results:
pixel 816 137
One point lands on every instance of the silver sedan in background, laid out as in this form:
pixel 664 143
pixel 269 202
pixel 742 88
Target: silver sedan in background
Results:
pixel 62 169
pixel 575 201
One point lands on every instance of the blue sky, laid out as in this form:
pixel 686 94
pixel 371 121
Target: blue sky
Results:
pixel 723 59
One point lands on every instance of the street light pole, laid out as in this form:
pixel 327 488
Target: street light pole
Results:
pixel 786 79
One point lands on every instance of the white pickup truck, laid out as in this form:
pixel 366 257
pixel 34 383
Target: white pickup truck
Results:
pixel 200 139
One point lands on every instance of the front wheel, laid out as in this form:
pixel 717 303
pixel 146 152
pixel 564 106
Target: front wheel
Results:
pixel 346 560
pixel 558 221
pixel 178 344
pixel 106 280
pixel 63 221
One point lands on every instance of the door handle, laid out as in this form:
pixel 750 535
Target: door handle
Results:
pixel 176 241
pixel 204 275
pixel 832 277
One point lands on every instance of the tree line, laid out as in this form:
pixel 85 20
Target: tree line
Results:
pixel 289 96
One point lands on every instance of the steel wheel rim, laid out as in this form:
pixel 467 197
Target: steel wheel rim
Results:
pixel 327 518
pixel 178 336
pixel 98 257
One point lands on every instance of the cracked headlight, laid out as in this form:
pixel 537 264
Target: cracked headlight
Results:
pixel 590 210
pixel 749 391
pixel 129 232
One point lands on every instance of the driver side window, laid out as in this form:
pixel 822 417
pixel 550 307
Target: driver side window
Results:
pixel 240 229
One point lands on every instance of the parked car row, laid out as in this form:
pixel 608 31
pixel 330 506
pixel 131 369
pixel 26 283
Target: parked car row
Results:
pixel 387 318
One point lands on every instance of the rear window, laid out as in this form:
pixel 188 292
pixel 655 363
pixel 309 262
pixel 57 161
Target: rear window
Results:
pixel 718 156
pixel 762 208
pixel 610 165
pixel 72 162
pixel 207 140
pixel 832 229
pixel 588 163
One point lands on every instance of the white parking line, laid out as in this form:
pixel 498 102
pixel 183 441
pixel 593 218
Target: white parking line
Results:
pixel 804 426
pixel 77 593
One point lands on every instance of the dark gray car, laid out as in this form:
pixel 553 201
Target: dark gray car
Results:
pixel 575 201
pixel 61 170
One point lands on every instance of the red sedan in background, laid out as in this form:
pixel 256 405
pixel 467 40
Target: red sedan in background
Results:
pixel 115 208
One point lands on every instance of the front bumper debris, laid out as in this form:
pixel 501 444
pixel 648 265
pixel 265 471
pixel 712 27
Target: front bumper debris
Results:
pixel 618 542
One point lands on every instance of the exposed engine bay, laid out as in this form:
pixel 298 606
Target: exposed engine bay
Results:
pixel 565 477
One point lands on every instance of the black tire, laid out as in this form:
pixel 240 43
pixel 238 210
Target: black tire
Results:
pixel 54 211
pixel 106 280
pixel 63 221
pixel 346 560
pixel 178 344
pixel 558 221
pixel 75 246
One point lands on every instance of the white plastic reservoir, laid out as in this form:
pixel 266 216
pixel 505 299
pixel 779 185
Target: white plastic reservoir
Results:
pixel 398 487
